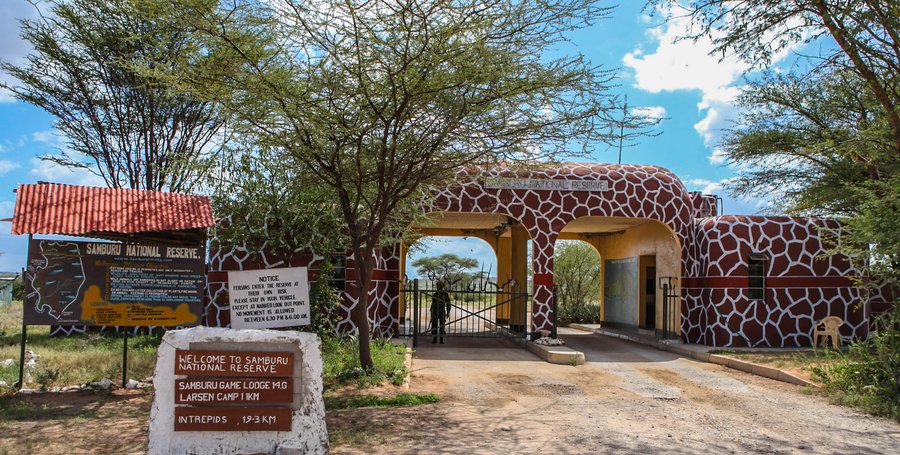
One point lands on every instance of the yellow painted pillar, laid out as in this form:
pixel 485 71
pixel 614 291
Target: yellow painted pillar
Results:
pixel 519 272
pixel 504 273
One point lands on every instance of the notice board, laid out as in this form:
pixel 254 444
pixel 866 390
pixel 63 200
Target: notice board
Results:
pixel 115 284
pixel 269 298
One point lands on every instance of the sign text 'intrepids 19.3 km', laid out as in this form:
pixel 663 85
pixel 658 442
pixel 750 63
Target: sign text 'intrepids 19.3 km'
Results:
pixel 114 284
pixel 233 390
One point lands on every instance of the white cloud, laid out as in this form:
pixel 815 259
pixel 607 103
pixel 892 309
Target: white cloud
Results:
pixel 7 165
pixel 720 114
pixel 51 137
pixel 705 186
pixel 681 65
pixel 718 157
pixel 651 112
pixel 48 171
pixel 688 65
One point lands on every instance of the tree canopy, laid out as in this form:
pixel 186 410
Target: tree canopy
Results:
pixel 132 130
pixel 380 100
pixel 576 273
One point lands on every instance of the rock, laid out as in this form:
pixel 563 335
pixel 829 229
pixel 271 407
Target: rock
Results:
pixel 31 359
pixel 505 428
pixel 104 383
pixel 547 341
pixel 8 363
pixel 132 384
pixel 2 383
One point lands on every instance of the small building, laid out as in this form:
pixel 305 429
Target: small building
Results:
pixel 671 262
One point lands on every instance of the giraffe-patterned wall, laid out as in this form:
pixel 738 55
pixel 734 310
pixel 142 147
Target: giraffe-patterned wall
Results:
pixel 383 294
pixel 715 309
pixel 803 284
pixel 634 191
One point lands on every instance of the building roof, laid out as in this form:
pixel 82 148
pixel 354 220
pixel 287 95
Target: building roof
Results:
pixel 49 208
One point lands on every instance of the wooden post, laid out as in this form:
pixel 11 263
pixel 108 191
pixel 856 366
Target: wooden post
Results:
pixel 125 359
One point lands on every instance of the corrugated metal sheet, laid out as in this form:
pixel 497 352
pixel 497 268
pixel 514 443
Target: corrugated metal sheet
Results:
pixel 49 208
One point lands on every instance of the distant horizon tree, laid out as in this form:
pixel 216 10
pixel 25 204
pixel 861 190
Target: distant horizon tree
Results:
pixel 448 267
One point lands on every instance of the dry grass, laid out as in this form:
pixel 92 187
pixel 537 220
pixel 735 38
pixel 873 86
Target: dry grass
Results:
pixel 71 360
pixel 798 363
pixel 75 423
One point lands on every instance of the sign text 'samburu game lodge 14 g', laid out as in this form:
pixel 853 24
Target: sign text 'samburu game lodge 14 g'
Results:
pixel 671 262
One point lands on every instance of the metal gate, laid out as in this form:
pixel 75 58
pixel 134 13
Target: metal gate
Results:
pixel 477 309
pixel 669 310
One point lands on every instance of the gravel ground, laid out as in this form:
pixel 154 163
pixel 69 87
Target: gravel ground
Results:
pixel 628 398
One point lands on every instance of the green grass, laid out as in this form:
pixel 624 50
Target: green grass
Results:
pixel 342 367
pixel 87 358
pixel 371 401
pixel 71 360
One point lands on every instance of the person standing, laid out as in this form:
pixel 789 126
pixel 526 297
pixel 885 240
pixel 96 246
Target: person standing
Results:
pixel 440 310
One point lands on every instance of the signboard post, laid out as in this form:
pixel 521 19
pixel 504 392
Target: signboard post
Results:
pixel 261 299
pixel 112 284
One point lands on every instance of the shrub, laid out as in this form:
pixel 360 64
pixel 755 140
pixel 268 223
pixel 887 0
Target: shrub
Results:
pixel 587 313
pixel 868 375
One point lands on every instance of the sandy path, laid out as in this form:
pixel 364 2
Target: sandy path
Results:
pixel 627 399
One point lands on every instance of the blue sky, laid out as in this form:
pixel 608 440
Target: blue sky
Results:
pixel 678 81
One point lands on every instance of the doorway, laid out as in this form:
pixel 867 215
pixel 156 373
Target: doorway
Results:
pixel 650 299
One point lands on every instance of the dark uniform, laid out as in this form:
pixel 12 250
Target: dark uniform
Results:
pixel 440 309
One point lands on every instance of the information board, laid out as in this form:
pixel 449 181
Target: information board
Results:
pixel 115 284
pixel 248 384
pixel 269 298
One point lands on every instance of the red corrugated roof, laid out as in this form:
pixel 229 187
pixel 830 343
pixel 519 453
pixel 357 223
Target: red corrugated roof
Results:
pixel 49 208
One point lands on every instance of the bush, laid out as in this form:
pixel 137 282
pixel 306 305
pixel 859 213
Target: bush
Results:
pixel 587 313
pixel 341 363
pixel 868 375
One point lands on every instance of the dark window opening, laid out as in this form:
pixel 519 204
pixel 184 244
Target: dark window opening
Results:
pixel 338 279
pixel 756 276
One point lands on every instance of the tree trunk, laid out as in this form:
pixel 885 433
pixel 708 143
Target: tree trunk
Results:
pixel 360 314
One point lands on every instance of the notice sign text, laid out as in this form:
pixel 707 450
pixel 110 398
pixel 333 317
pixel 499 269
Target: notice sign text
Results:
pixel 210 391
pixel 233 419
pixel 269 298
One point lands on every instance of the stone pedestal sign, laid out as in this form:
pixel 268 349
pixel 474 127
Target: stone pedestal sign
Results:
pixel 238 391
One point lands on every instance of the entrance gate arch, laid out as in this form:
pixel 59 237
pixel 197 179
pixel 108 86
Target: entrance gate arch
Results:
pixel 545 200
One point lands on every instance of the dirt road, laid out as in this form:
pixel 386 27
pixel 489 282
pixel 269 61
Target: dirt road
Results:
pixel 628 398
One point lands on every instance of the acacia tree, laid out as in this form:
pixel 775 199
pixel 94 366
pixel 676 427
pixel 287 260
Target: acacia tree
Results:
pixel 380 100
pixel 825 141
pixel 130 129
pixel 446 267
pixel 576 273
pixel 866 34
